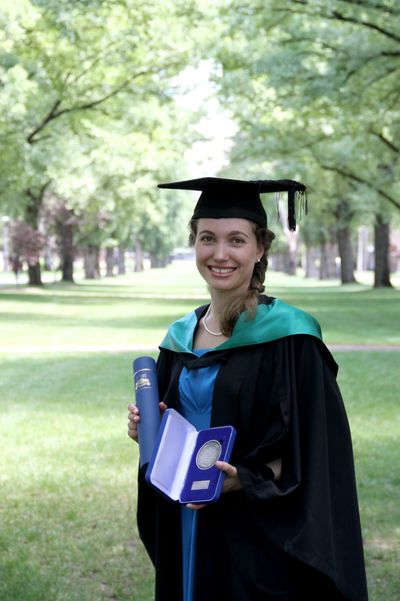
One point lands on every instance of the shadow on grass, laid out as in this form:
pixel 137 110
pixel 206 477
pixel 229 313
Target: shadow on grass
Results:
pixel 357 314
pixel 74 298
pixel 129 322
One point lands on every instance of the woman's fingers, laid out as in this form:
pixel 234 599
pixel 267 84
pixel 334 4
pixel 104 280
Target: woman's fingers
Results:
pixel 227 468
pixel 134 419
pixel 231 482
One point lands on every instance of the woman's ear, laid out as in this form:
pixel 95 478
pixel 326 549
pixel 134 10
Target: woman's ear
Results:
pixel 260 252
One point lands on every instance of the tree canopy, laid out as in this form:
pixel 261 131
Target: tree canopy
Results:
pixel 315 85
pixel 90 112
pixel 86 99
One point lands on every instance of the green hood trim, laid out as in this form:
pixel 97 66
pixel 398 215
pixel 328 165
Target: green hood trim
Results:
pixel 273 321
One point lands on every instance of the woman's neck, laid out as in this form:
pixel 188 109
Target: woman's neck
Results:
pixel 219 301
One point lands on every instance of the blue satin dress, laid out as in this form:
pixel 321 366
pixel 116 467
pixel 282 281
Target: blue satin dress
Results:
pixel 195 393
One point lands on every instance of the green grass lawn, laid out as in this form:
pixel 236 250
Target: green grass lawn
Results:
pixel 134 310
pixel 68 473
pixel 68 469
pixel 369 384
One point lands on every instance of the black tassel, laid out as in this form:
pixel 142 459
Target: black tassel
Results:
pixel 297 207
pixel 296 203
pixel 301 203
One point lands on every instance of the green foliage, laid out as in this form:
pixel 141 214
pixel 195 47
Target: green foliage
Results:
pixel 314 87
pixel 88 109
pixel 86 106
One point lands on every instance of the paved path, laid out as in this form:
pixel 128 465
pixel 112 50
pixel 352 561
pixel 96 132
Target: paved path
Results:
pixel 153 349
pixel 362 347
pixel 82 348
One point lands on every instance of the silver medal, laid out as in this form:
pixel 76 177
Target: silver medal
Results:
pixel 208 454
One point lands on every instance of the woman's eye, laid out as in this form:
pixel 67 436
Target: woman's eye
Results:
pixel 206 239
pixel 238 241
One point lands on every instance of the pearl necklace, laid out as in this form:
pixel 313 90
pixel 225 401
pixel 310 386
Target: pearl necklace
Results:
pixel 207 329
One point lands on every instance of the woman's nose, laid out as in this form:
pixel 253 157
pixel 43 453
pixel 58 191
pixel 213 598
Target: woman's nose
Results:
pixel 221 252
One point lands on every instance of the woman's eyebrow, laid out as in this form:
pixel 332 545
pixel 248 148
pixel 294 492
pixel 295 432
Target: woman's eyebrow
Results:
pixel 238 233
pixel 233 233
pixel 206 232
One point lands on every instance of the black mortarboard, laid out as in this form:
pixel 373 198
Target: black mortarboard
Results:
pixel 222 197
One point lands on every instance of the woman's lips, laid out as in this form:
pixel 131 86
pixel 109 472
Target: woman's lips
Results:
pixel 221 270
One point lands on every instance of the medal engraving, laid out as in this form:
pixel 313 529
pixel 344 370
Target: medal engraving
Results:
pixel 200 485
pixel 208 454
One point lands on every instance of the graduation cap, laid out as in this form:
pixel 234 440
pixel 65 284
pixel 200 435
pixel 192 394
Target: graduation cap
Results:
pixel 221 197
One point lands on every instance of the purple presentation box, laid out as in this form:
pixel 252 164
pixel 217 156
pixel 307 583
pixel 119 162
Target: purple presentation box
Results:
pixel 182 465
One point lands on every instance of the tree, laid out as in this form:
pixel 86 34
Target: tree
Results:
pixel 314 87
pixel 68 71
pixel 26 245
pixel 63 223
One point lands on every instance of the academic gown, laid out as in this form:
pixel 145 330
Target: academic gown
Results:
pixel 294 539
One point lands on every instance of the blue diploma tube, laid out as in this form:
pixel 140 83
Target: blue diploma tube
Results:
pixel 146 392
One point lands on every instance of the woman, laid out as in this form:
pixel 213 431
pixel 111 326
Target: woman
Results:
pixel 286 525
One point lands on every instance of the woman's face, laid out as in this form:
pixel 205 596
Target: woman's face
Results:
pixel 226 251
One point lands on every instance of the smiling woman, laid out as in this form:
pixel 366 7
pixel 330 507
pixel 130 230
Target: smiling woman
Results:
pixel 287 524
pixel 226 252
pixel 231 256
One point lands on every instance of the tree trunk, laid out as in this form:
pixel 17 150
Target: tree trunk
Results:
pixel 362 249
pixel 32 212
pixel 327 267
pixel 291 241
pixel 312 257
pixel 139 266
pixel 382 270
pixel 121 259
pixel 291 264
pixel 47 258
pixel 34 275
pixel 110 262
pixel 346 254
pixel 91 262
pixel 67 269
pixel 66 232
pixel 276 262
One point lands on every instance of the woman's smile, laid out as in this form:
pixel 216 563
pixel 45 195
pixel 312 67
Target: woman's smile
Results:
pixel 226 251
pixel 221 271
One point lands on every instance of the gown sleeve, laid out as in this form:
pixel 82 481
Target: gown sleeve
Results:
pixel 312 510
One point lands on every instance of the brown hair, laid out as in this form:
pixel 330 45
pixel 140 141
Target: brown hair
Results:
pixel 248 303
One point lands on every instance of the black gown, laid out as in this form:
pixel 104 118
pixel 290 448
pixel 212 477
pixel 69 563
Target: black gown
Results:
pixel 294 539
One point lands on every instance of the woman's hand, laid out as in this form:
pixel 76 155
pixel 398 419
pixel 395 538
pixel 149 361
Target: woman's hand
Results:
pixel 231 481
pixel 230 484
pixel 134 419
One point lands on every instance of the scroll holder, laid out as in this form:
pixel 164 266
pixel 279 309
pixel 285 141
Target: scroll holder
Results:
pixel 147 400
